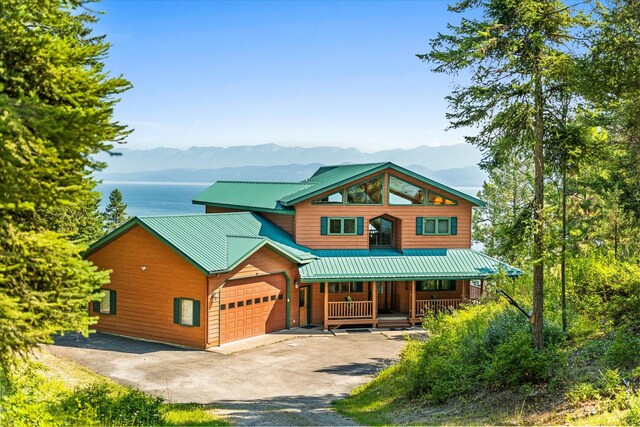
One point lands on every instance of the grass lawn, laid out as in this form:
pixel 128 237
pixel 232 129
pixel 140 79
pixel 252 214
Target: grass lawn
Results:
pixel 46 393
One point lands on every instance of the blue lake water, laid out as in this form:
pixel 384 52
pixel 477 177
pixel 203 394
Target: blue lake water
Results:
pixel 162 198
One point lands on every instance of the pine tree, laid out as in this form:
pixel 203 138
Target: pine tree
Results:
pixel 56 113
pixel 115 213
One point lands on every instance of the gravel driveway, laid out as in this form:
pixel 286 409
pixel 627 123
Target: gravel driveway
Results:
pixel 287 383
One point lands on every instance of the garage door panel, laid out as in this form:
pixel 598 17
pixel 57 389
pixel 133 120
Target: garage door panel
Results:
pixel 262 307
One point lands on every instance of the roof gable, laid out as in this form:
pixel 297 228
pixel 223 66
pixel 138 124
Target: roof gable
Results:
pixel 214 242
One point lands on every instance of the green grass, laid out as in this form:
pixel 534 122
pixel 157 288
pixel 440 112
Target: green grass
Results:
pixel 45 383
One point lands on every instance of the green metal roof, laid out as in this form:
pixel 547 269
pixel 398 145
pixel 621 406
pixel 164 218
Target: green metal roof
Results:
pixel 411 264
pixel 214 242
pixel 279 197
pixel 258 196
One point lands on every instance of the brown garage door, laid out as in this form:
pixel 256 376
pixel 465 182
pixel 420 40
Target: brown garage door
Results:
pixel 250 307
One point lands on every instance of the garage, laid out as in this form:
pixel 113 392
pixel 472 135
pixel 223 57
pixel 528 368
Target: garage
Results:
pixel 250 307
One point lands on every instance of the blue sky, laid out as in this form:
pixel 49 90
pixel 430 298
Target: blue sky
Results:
pixel 291 73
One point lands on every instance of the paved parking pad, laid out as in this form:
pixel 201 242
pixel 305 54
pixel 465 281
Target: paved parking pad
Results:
pixel 290 382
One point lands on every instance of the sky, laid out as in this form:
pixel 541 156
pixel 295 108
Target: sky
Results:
pixel 211 73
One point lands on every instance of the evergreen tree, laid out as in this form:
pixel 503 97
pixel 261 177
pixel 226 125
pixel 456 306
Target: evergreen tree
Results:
pixel 115 213
pixel 56 113
pixel 517 54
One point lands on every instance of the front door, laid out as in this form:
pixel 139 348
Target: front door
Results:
pixel 304 306
pixel 384 296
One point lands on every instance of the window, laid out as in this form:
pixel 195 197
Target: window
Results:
pixel 366 193
pixel 435 285
pixel 186 311
pixel 403 193
pixel 345 226
pixel 249 302
pixel 232 305
pixel 436 199
pixel 331 199
pixel 257 300
pixel 240 304
pixel 107 305
pixel 223 306
pixel 437 226
pixel 380 232
pixel 265 299
pixel 345 287
pixel 273 297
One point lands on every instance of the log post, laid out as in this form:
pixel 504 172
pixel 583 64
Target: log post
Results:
pixel 326 306
pixel 412 304
pixel 374 303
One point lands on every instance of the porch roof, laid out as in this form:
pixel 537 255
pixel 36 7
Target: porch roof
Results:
pixel 410 264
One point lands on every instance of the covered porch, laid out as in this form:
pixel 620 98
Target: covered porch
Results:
pixel 354 287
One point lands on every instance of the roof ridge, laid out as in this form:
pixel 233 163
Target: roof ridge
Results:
pixel 262 182
pixel 192 215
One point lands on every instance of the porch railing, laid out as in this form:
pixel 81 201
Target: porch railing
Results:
pixel 436 305
pixel 351 310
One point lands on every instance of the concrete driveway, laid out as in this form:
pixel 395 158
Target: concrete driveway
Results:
pixel 291 382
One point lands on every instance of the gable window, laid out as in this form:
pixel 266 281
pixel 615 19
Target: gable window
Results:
pixel 366 193
pixel 107 305
pixel 437 226
pixel 435 285
pixel 436 199
pixel 331 199
pixel 186 311
pixel 403 193
pixel 345 287
pixel 344 226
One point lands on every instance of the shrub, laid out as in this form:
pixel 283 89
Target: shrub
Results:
pixel 633 416
pixel 115 406
pixel 623 351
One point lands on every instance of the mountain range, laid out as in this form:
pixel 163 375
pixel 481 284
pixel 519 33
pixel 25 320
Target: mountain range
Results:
pixel 454 165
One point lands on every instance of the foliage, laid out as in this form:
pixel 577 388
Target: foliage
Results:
pixel 56 112
pixel 115 213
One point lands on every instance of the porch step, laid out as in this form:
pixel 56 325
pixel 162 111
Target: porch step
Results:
pixel 394 322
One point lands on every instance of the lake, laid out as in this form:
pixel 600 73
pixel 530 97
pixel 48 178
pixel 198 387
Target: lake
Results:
pixel 168 198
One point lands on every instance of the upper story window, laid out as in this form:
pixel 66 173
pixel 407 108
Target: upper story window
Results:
pixel 342 226
pixel 436 199
pixel 331 199
pixel 366 193
pixel 437 226
pixel 403 193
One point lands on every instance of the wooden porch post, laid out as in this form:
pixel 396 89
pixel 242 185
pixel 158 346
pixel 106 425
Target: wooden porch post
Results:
pixel 465 283
pixel 481 287
pixel 374 302
pixel 326 306
pixel 412 304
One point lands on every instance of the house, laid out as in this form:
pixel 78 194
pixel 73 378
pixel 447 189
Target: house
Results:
pixel 366 244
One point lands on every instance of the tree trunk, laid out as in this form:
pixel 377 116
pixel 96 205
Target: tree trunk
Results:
pixel 563 255
pixel 538 217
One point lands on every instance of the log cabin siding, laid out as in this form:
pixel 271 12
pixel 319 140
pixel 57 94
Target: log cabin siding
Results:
pixel 307 222
pixel 144 298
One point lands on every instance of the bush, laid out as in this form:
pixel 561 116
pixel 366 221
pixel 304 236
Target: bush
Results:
pixel 623 351
pixel 114 406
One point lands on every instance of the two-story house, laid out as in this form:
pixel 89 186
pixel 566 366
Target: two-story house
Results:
pixel 367 244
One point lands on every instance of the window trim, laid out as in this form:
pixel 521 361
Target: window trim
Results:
pixel 429 193
pixel 193 318
pixel 97 305
pixel 437 219
pixel 424 190
pixel 342 218
pixel 382 202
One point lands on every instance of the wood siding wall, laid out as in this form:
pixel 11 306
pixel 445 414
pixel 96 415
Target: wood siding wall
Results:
pixel 307 223
pixel 264 261
pixel 144 298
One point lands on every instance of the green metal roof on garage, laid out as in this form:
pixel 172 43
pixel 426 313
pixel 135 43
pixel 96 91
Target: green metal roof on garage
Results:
pixel 214 242
pixel 410 264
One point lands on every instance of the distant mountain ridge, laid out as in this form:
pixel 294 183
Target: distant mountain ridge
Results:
pixel 470 176
pixel 265 155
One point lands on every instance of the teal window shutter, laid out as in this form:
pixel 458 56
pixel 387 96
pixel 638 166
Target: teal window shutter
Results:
pixel 454 225
pixel 196 313
pixel 360 225
pixel 322 288
pixel 96 306
pixel 323 225
pixel 419 223
pixel 176 310
pixel 112 301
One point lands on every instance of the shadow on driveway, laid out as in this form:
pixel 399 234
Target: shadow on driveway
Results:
pixel 357 368
pixel 99 341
